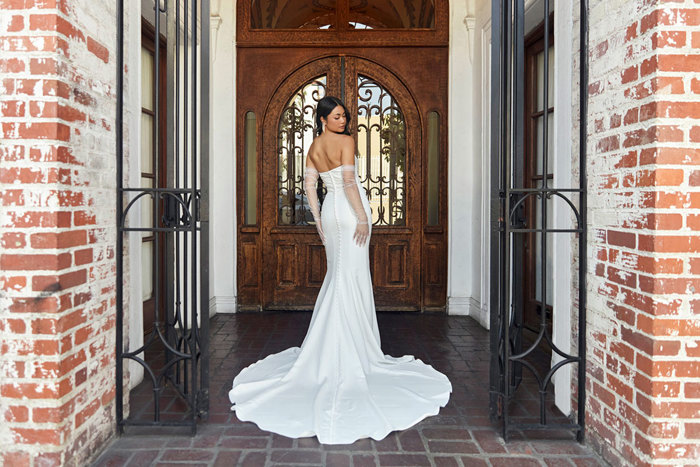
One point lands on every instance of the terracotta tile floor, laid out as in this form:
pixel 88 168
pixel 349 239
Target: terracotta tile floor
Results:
pixel 460 435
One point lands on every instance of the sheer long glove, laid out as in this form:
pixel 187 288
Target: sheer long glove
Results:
pixel 310 180
pixel 353 195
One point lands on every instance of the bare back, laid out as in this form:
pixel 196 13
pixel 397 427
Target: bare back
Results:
pixel 331 150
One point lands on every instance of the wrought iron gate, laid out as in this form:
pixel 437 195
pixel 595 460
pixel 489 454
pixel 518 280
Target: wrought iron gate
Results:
pixel 175 354
pixel 511 353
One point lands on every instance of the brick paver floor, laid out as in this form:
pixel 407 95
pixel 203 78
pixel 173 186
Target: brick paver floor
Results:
pixel 460 435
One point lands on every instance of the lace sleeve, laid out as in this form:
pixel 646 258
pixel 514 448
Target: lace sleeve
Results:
pixel 352 193
pixel 310 180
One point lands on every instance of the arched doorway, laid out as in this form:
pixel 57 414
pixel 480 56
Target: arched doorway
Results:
pixel 396 92
pixel 386 123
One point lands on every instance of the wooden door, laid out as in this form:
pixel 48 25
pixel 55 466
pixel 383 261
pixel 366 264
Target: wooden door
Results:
pixel 400 49
pixel 387 128
pixel 294 262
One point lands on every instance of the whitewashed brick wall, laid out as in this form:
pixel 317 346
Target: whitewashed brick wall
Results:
pixel 644 219
pixel 58 230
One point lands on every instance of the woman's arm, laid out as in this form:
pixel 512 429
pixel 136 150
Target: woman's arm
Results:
pixel 352 192
pixel 310 181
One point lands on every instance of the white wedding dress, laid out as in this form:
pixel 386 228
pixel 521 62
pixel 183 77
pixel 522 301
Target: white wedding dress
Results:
pixel 339 385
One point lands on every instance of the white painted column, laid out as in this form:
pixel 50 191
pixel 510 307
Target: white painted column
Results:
pixel 562 214
pixel 482 59
pixel 222 172
pixel 132 167
pixel 463 178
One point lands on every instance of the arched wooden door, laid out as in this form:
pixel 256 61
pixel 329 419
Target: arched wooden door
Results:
pixel 388 61
pixel 387 128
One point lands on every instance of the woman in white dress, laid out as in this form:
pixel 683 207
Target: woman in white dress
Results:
pixel 338 385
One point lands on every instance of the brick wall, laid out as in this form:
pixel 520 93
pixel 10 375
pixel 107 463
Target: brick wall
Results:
pixel 57 230
pixel 57 221
pixel 644 287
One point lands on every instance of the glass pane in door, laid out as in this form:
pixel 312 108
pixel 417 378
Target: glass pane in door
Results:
pixel 146 143
pixel 295 135
pixel 292 14
pixel 433 167
pixel 393 14
pixel 147 75
pixel 146 270
pixel 550 78
pixel 381 145
pixel 251 175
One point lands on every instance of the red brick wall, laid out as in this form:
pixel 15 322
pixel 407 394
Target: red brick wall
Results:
pixel 57 230
pixel 644 172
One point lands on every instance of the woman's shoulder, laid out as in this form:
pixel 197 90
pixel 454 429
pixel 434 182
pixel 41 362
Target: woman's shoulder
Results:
pixel 346 140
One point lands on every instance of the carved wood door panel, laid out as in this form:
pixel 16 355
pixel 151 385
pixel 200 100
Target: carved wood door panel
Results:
pixel 387 128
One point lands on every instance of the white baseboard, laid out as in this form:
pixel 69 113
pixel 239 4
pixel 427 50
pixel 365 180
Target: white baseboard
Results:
pixel 468 306
pixel 478 311
pixel 474 308
pixel 481 314
pixel 222 304
pixel 458 306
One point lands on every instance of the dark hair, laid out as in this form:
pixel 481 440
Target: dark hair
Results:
pixel 324 107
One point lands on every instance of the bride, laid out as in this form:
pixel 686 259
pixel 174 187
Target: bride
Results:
pixel 338 385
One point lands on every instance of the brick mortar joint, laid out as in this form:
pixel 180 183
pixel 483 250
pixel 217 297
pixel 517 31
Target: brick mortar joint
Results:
pixel 684 298
pixel 654 357
pixel 651 121
pixel 602 66
pixel 623 128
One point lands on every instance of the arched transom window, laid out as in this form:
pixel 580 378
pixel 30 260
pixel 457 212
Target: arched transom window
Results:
pixel 325 14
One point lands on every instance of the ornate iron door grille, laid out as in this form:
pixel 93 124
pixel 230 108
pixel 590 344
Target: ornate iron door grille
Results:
pixel 509 355
pixel 175 355
pixel 296 127
pixel 381 134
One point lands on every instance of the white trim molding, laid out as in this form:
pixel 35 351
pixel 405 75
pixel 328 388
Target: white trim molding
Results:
pixel 482 315
pixel 214 25
pixel 485 266
pixel 474 308
pixel 222 304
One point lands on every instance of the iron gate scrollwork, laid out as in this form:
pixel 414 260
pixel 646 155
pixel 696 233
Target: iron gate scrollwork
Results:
pixel 512 355
pixel 175 354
